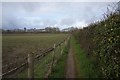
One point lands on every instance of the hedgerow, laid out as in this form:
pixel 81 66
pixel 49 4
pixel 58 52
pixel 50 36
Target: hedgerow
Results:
pixel 101 43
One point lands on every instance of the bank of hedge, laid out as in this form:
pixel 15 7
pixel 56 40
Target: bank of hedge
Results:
pixel 101 43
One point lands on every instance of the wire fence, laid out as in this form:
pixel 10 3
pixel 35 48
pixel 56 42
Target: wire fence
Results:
pixel 44 62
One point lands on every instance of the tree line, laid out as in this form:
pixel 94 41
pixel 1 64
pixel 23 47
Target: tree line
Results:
pixel 44 30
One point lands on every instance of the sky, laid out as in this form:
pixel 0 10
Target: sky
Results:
pixel 55 14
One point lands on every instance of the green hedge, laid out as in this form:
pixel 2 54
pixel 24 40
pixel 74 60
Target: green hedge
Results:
pixel 101 43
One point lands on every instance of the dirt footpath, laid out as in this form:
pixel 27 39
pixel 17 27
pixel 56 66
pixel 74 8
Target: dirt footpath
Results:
pixel 70 68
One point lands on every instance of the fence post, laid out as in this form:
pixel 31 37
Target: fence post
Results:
pixel 51 64
pixel 60 47
pixel 61 50
pixel 31 65
pixel 53 56
pixel 65 42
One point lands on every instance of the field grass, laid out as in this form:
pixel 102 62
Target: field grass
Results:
pixel 59 70
pixel 41 67
pixel 84 67
pixel 15 47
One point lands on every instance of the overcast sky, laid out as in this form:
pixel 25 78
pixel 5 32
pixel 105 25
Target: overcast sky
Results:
pixel 55 14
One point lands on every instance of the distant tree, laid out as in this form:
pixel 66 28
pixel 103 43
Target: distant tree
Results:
pixel 25 29
pixel 47 29
pixel 8 30
pixel 52 29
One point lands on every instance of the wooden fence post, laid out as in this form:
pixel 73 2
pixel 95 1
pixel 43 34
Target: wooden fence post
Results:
pixel 65 42
pixel 31 65
pixel 53 56
pixel 51 64
pixel 60 47
pixel 61 50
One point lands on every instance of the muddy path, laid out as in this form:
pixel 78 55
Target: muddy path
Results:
pixel 70 65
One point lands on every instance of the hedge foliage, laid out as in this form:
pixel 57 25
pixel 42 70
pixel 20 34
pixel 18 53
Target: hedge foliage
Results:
pixel 101 43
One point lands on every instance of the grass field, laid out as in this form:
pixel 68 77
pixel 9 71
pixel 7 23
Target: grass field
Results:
pixel 15 47
pixel 41 66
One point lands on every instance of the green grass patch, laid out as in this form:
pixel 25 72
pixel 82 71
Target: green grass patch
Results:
pixel 84 65
pixel 59 69
pixel 40 67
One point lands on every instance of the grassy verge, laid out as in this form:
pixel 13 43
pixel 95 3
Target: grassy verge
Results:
pixel 59 69
pixel 84 67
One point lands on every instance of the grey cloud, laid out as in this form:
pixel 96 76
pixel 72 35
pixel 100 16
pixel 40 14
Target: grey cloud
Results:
pixel 68 21
pixel 40 15
pixel 49 22
pixel 29 7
